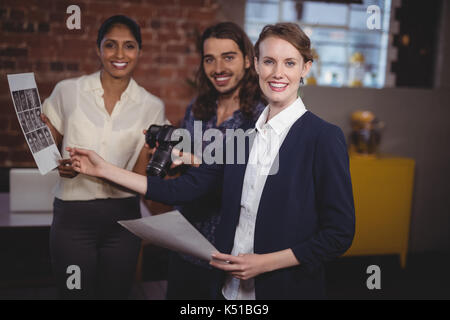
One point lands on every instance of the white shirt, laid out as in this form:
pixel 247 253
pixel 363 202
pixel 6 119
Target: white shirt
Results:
pixel 77 110
pixel 262 161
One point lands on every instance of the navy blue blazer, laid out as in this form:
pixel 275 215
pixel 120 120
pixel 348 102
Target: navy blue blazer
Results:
pixel 307 207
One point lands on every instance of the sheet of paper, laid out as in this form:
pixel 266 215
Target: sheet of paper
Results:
pixel 172 231
pixel 27 104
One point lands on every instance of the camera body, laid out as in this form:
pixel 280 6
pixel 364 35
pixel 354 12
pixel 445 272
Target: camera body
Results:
pixel 161 160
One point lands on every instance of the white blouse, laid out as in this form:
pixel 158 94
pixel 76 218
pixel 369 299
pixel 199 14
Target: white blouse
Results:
pixel 77 110
pixel 263 161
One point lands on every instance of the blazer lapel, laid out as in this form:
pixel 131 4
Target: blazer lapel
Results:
pixel 237 171
pixel 275 182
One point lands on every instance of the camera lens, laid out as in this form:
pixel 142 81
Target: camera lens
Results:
pixel 161 160
pixel 155 171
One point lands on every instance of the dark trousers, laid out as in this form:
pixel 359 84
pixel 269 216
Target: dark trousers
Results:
pixel 188 281
pixel 86 234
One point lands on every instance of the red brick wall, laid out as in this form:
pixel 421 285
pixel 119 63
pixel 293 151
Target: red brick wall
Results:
pixel 34 38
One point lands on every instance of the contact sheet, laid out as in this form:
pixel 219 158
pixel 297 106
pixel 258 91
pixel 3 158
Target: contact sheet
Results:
pixel 28 109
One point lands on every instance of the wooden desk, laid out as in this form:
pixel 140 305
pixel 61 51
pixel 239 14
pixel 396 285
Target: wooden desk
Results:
pixel 382 189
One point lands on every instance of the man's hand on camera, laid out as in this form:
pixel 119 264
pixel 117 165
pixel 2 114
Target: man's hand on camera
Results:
pixel 179 157
pixel 151 151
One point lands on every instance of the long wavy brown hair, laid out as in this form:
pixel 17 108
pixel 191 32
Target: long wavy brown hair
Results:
pixel 250 94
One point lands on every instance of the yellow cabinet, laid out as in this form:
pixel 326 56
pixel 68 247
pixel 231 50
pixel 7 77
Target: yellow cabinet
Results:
pixel 382 189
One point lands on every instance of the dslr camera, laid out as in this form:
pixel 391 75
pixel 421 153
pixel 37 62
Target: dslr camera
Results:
pixel 161 160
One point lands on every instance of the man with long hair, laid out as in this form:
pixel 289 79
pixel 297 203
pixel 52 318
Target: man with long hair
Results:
pixel 228 97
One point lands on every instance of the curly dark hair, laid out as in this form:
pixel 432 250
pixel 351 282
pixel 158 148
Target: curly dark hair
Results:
pixel 250 94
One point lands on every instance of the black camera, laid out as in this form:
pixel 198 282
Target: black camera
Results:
pixel 161 160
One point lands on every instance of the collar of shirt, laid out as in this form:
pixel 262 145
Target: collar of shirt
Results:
pixel 234 121
pixel 92 82
pixel 282 120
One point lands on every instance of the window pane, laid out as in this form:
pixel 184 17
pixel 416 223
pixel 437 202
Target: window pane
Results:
pixel 364 39
pixel 328 35
pixel 366 3
pixel 289 11
pixel 320 35
pixel 324 13
pixel 265 12
pixel 358 19
pixel 332 53
pixel 253 30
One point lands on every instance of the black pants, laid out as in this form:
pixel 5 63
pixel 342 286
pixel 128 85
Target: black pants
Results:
pixel 86 234
pixel 188 281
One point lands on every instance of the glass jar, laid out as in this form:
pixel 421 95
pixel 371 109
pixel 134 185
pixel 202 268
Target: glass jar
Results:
pixel 357 70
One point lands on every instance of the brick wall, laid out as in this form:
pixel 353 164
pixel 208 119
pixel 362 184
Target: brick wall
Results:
pixel 34 38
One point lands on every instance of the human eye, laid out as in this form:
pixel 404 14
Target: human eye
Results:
pixel 130 46
pixel 109 45
pixel 268 61
pixel 290 64
pixel 208 60
pixel 229 58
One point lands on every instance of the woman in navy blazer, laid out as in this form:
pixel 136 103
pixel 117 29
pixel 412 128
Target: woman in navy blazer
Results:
pixel 303 214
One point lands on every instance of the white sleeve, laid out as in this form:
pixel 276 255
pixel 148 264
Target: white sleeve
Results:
pixel 161 116
pixel 53 108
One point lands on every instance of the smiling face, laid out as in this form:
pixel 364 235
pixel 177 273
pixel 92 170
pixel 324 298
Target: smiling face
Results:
pixel 280 67
pixel 119 52
pixel 224 64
